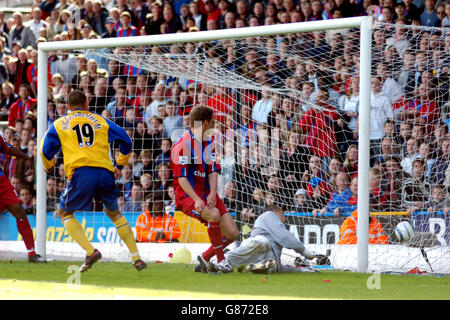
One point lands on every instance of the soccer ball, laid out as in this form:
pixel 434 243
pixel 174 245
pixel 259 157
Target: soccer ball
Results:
pixel 404 231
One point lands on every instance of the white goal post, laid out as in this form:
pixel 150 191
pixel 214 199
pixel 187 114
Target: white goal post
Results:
pixel 363 23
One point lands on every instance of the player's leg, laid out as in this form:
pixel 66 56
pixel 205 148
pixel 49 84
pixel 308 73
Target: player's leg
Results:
pixel 77 196
pixel 75 230
pixel 10 201
pixel 228 228
pixel 108 192
pixel 214 232
pixel 24 228
pixel 126 234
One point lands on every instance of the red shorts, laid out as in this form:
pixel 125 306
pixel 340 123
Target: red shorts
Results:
pixel 187 206
pixel 8 195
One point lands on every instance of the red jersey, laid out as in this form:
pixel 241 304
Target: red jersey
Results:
pixel 222 105
pixel 19 110
pixel 4 149
pixel 194 160
pixel 319 126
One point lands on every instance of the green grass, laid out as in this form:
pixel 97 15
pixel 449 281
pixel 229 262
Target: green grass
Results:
pixel 107 280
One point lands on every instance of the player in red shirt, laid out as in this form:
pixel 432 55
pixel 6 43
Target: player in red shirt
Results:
pixel 195 170
pixel 9 201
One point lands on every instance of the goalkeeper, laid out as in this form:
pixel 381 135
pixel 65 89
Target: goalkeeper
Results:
pixel 261 252
pixel 84 138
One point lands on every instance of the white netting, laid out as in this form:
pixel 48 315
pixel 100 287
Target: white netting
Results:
pixel 287 131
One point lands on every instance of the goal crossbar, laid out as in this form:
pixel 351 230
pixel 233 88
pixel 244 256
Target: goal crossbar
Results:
pixel 364 23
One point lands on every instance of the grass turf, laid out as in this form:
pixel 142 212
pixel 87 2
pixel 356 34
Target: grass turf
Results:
pixel 108 280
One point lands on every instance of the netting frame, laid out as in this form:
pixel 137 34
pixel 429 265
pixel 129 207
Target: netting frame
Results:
pixel 363 23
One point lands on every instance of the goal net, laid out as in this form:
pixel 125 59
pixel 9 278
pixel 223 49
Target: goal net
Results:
pixel 286 133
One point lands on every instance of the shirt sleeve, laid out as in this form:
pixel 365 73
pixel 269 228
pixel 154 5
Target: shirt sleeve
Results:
pixel 211 161
pixel 117 133
pixel 4 147
pixel 179 161
pixel 50 145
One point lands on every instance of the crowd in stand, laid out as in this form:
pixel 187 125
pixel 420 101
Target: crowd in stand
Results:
pixel 289 152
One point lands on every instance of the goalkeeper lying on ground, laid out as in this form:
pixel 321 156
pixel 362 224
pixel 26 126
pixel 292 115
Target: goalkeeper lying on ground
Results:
pixel 262 251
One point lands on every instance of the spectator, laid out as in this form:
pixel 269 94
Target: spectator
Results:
pixel 98 18
pixel 8 97
pixel 125 182
pixel 134 204
pixel 163 179
pixel 445 23
pixel 156 132
pixel 159 98
pixel 377 196
pixel 350 109
pixel 302 202
pixel 307 90
pixel 222 102
pixel 399 39
pixel 406 79
pixel 26 197
pixel 439 201
pixel 424 109
pixel 438 171
pixel 230 200
pixel 154 225
pixel 172 21
pixel 164 157
pixel 21 69
pixel 126 29
pixel 338 202
pixel 411 155
pixel 426 154
pixel 429 16
pixel 294 160
pixel 146 181
pixel 172 121
pixel 199 17
pixel 319 125
pixel 348 234
pixel 22 106
pixel 393 182
pixel 20 33
pixel 390 88
pixel 388 149
pixel 315 178
pixel 412 12
pixel 262 108
pixel 65 65
pixel 381 111
pixel 416 191
pixel 36 23
pixel 118 107
pixel 52 195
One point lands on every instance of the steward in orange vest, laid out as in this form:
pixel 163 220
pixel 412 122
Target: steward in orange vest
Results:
pixel 347 231
pixel 157 226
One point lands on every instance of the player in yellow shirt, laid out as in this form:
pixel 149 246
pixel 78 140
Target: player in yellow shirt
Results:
pixel 84 138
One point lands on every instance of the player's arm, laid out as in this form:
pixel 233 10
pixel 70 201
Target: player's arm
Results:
pixel 212 178
pixel 14 152
pixel 213 168
pixel 187 187
pixel 118 134
pixel 50 145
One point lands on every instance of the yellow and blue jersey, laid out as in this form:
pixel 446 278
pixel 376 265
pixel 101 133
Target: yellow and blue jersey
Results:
pixel 84 138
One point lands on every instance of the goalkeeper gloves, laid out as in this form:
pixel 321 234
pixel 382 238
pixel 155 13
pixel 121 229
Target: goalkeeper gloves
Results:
pixel 308 255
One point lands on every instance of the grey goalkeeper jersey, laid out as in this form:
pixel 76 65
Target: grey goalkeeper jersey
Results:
pixel 270 226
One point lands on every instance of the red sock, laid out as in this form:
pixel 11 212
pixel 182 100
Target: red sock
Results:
pixel 23 226
pixel 215 236
pixel 209 253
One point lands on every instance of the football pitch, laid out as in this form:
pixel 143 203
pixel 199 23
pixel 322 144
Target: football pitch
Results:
pixel 109 280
